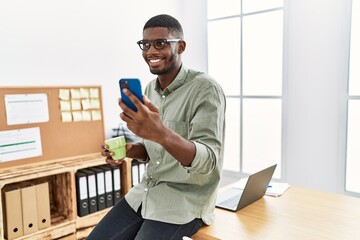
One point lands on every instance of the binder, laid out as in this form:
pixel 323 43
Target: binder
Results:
pixel 108 185
pixel 82 194
pixel 13 214
pixel 29 209
pixel 142 169
pixel 100 187
pixel 91 188
pixel 135 179
pixel 43 205
pixel 116 184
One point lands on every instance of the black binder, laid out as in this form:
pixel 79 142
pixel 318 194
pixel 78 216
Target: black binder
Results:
pixel 91 186
pixel 116 184
pixel 109 201
pixel 100 187
pixel 82 194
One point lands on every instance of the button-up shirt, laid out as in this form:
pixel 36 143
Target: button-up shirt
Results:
pixel 193 106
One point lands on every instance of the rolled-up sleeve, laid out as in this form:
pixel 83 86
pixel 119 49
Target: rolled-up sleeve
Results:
pixel 207 130
pixel 204 161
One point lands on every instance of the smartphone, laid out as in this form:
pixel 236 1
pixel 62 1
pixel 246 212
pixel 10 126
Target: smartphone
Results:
pixel 134 85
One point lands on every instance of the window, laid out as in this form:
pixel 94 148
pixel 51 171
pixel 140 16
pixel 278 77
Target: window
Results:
pixel 245 47
pixel 353 131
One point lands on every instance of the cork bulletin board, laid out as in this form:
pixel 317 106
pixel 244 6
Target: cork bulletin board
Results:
pixel 69 121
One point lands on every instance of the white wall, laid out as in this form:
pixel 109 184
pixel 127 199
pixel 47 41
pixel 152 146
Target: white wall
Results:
pixel 92 42
pixel 316 63
pixel 88 42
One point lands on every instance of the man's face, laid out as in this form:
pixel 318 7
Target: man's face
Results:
pixel 163 61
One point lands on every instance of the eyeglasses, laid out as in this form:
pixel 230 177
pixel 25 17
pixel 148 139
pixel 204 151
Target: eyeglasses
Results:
pixel 157 43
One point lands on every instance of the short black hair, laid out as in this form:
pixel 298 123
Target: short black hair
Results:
pixel 166 21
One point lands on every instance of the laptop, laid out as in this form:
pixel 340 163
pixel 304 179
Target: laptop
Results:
pixel 235 199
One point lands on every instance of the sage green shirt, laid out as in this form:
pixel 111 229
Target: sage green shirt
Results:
pixel 193 106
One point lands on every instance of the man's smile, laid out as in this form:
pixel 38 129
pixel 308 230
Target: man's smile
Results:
pixel 154 62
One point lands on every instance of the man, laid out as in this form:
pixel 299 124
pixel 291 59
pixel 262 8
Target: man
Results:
pixel 182 124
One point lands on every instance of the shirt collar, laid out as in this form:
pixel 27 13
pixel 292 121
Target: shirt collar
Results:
pixel 179 80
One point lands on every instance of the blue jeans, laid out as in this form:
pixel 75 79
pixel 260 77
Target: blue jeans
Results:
pixel 123 223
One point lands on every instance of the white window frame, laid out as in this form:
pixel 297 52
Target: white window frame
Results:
pixel 242 97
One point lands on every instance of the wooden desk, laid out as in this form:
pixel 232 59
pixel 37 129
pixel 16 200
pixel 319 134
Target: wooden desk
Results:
pixel 299 214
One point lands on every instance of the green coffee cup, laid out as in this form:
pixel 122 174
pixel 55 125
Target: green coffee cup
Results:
pixel 118 146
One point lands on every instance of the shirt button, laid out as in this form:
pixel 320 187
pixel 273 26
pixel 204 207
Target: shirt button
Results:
pixel 163 96
pixel 146 189
pixel 157 162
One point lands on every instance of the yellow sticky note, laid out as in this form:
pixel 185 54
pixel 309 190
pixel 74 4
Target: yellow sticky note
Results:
pixel 75 93
pixel 65 105
pixel 75 105
pixel 66 116
pixel 94 93
pixel 64 94
pixel 86 115
pixel 77 116
pixel 84 93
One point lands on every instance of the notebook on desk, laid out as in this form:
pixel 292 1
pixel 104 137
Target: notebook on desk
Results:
pixel 235 199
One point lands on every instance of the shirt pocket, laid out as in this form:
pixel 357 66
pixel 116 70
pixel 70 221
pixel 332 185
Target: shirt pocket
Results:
pixel 181 128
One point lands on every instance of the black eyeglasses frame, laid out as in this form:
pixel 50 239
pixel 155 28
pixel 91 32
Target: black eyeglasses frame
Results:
pixel 158 44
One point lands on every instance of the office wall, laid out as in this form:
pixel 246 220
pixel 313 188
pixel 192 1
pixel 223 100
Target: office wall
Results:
pixel 80 42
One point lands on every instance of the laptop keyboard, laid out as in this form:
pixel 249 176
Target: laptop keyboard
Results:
pixel 231 202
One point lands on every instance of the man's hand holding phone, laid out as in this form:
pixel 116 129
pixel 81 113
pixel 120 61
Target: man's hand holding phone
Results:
pixel 134 86
pixel 145 122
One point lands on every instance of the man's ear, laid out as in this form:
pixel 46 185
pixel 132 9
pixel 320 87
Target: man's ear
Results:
pixel 181 47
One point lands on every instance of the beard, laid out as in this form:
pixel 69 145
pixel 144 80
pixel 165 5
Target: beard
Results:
pixel 164 70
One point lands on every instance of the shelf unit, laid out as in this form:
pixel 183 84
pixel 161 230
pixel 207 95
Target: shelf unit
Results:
pixel 60 174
